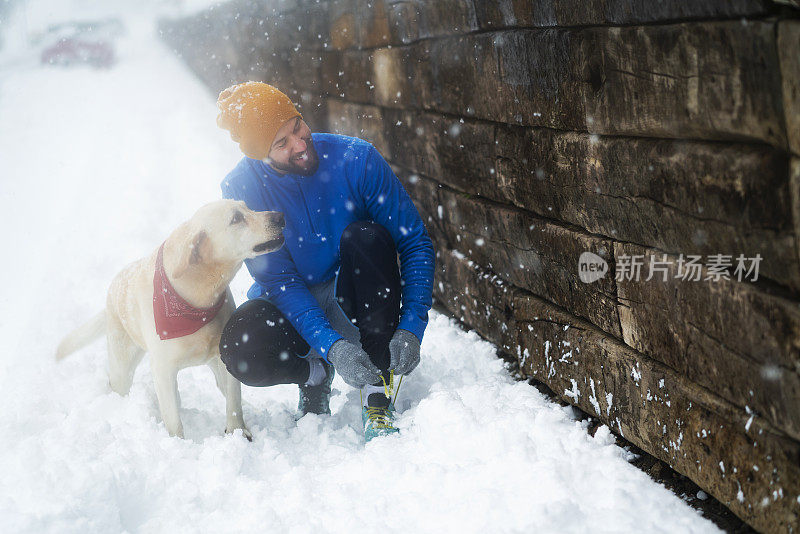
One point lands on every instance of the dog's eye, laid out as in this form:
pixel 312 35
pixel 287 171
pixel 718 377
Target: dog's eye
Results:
pixel 237 217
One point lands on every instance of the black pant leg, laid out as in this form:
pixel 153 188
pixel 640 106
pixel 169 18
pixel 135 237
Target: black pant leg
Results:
pixel 260 347
pixel 368 287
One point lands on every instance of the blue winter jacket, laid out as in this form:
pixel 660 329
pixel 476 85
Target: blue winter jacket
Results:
pixel 353 183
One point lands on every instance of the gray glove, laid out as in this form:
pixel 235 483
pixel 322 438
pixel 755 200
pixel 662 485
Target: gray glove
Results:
pixel 353 364
pixel 403 351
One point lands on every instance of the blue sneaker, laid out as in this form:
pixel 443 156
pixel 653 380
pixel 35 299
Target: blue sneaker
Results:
pixel 316 399
pixel 377 412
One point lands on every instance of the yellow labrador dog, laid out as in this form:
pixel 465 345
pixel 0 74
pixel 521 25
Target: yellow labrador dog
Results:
pixel 175 302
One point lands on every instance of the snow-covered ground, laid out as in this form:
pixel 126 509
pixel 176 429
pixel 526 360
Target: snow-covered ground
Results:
pixel 96 168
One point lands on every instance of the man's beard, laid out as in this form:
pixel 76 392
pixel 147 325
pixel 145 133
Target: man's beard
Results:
pixel 293 168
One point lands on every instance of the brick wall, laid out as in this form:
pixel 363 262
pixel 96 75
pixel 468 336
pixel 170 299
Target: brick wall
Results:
pixel 530 132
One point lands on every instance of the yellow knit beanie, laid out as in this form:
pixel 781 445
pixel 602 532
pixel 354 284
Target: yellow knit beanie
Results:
pixel 253 112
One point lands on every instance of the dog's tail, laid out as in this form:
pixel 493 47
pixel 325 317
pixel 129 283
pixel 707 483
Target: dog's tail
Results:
pixel 82 336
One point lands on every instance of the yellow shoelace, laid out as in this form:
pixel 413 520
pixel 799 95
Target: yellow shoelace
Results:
pixel 378 415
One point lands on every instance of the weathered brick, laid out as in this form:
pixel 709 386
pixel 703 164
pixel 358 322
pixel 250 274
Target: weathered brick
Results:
pixel 520 13
pixel 365 122
pixel 422 19
pixel 666 81
pixel 789 52
pixel 687 197
pixel 458 152
pixel 527 251
pixel 485 306
pixel 377 23
pixel 726 335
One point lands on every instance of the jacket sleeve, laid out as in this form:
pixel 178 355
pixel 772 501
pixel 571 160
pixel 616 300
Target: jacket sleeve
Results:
pixel 277 275
pixel 388 204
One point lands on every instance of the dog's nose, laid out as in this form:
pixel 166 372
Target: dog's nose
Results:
pixel 278 220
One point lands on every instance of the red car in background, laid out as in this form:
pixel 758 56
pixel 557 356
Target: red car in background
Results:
pixel 72 50
pixel 90 43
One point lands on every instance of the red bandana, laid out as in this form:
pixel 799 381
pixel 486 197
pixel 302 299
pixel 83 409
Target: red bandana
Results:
pixel 174 316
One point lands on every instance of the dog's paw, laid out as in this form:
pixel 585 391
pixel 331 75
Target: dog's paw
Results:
pixel 245 432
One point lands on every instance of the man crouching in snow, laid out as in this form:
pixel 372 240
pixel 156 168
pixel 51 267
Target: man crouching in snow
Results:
pixel 333 294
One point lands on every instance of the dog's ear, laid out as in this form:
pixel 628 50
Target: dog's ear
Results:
pixel 195 251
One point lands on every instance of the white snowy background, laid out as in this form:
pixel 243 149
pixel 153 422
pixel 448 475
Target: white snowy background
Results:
pixel 96 168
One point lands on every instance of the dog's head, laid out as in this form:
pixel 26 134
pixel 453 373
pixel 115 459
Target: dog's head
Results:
pixel 227 231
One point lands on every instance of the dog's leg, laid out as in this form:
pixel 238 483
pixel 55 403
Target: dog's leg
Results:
pixel 165 374
pixel 123 356
pixel 232 390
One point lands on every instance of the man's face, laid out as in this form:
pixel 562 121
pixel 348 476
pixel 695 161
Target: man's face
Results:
pixel 293 151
